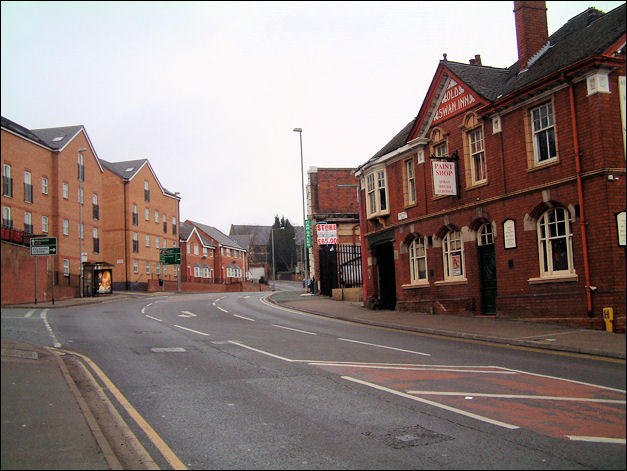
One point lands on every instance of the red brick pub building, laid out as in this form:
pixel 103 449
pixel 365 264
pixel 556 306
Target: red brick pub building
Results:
pixel 505 195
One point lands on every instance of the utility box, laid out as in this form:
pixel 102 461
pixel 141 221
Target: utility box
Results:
pixel 608 317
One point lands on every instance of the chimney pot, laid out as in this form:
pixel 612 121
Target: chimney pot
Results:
pixel 477 59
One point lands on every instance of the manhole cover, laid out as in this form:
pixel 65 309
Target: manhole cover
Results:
pixel 408 437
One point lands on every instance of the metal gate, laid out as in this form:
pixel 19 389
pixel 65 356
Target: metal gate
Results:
pixel 340 267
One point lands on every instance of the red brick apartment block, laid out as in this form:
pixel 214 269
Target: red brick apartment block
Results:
pixel 52 187
pixel 142 218
pixel 505 195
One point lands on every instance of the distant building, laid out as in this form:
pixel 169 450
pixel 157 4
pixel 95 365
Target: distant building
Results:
pixel 198 255
pixel 230 260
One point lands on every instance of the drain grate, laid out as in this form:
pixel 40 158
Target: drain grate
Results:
pixel 408 437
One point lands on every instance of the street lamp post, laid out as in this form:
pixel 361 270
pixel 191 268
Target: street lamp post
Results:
pixel 302 184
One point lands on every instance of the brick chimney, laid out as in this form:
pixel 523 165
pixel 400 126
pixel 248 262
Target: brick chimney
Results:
pixel 531 29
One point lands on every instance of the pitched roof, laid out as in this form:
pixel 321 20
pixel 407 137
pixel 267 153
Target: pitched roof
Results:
pixel 22 131
pixel 57 138
pixel 587 34
pixel 186 232
pixel 216 235
pixel 129 168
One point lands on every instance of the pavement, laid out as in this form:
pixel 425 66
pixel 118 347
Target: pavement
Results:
pixel 48 423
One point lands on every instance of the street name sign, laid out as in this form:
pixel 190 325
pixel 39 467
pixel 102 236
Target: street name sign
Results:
pixel 43 246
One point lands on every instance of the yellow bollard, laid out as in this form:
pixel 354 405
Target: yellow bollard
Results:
pixel 608 317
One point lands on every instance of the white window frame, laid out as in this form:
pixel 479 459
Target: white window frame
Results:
pixel 81 234
pixel 476 148
pixel 157 242
pixel 66 267
pixel 28 219
pixel 196 252
pixel 66 227
pixel 44 224
pixel 156 216
pixel 417 252
pixel 485 235
pixel 44 185
pixel 135 266
pixel 452 245
pixel 555 227
pixel 377 193
pixel 147 268
pixel 544 131
pixel 147 214
pixel 66 190
pixel 411 181
pixel 6 215
pixel 147 240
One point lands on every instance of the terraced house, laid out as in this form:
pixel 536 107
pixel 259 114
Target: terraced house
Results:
pixel 505 195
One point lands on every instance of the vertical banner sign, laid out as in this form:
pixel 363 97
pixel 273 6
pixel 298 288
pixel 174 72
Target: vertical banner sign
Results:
pixel 308 233
pixel 444 181
pixel 327 234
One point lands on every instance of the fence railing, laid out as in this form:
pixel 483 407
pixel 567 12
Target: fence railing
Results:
pixel 349 265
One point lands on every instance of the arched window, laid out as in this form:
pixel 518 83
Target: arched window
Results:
pixel 485 235
pixel 453 253
pixel 417 260
pixel 555 242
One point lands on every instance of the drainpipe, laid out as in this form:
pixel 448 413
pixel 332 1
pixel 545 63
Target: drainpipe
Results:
pixel 126 260
pixel 584 241
pixel 364 244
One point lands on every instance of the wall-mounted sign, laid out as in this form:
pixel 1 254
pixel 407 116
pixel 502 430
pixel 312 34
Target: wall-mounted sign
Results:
pixel 620 226
pixel 444 181
pixel 455 100
pixel 509 234
pixel 326 233
pixel 402 215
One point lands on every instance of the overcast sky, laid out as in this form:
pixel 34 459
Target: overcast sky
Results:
pixel 209 92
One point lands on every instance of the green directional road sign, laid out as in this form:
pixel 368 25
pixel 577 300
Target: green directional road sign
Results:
pixel 308 233
pixel 43 246
pixel 170 256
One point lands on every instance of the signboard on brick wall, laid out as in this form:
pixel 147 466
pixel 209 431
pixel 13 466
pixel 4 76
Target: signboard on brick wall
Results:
pixel 326 234
pixel 444 181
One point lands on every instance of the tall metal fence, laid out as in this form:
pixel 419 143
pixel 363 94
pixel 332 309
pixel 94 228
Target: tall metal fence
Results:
pixel 349 265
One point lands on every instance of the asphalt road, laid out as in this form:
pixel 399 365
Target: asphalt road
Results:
pixel 228 381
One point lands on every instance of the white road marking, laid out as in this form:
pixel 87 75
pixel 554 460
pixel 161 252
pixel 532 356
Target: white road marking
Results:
pixel 29 313
pixel 191 330
pixel 221 309
pixel 154 318
pixel 261 351
pixel 295 330
pixel 619 441
pixel 383 346
pixel 244 317
pixel 565 379
pixel 187 314
pixel 44 316
pixel 432 403
pixel 518 396
pixel 411 368
pixel 168 350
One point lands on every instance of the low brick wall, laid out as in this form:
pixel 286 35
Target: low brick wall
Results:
pixel 348 294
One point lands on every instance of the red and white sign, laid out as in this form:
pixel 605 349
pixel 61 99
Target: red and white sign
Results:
pixel 326 233
pixel 455 100
pixel 444 181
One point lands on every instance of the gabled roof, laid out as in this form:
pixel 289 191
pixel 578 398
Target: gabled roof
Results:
pixel 259 235
pixel 127 170
pixel 23 132
pixel 242 240
pixel 58 138
pixel 54 139
pixel 186 232
pixel 216 235
pixel 589 34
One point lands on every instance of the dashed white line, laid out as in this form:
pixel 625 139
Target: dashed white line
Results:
pixel 432 403
pixel 44 316
pixel 191 330
pixel 244 317
pixel 409 368
pixel 295 330
pixel 221 309
pixel 154 318
pixel 619 441
pixel 383 346
pixel 517 396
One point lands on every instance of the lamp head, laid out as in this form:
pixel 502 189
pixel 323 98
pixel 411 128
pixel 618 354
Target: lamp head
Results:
pixel 298 129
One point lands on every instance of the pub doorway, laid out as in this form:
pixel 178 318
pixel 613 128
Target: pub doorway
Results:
pixel 487 269
pixel 386 275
